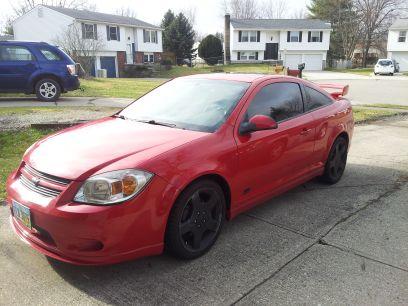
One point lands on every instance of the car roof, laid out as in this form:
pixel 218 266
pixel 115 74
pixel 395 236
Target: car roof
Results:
pixel 238 77
pixel 23 42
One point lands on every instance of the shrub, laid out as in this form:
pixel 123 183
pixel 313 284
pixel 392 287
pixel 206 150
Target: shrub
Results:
pixel 210 49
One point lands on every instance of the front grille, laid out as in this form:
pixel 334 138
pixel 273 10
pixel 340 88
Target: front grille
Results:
pixel 46 177
pixel 34 180
pixel 45 191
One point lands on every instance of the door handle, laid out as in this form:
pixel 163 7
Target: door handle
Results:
pixel 305 131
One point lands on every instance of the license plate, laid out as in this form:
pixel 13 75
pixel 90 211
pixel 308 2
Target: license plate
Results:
pixel 22 213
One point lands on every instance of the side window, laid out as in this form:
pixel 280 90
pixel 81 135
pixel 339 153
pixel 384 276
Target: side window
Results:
pixel 15 53
pixel 280 101
pixel 50 55
pixel 315 99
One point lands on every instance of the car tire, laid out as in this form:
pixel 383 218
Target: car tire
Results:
pixel 195 220
pixel 336 161
pixel 47 90
pixel 391 74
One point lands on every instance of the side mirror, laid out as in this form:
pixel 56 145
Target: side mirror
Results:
pixel 257 123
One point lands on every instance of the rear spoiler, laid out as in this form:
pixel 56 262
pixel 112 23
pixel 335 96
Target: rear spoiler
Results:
pixel 335 90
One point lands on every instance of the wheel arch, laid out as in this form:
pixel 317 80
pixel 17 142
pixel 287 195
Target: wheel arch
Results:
pixel 39 77
pixel 219 179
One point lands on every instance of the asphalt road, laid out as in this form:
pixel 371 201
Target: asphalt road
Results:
pixel 317 244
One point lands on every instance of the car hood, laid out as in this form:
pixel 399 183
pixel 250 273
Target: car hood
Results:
pixel 78 152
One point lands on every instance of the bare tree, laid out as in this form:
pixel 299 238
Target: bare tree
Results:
pixel 376 17
pixel 274 9
pixel 82 51
pixel 126 12
pixel 299 13
pixel 190 13
pixel 242 9
pixel 23 6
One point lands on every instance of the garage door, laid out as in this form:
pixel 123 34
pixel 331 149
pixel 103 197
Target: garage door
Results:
pixel 293 60
pixel 402 59
pixel 109 63
pixel 313 61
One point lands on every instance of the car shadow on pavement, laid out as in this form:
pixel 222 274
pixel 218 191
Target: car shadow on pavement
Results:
pixel 250 249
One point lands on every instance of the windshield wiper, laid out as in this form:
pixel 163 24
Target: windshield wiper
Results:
pixel 154 122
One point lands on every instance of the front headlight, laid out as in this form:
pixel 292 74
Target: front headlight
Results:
pixel 112 187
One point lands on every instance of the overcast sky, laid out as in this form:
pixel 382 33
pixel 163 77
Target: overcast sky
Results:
pixel 208 13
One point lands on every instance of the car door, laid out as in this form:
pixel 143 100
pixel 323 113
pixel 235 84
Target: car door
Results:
pixel 17 63
pixel 271 159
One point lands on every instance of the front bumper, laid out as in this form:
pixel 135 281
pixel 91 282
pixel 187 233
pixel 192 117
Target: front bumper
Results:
pixel 93 235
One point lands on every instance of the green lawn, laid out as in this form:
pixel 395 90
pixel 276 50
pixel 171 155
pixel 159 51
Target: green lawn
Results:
pixel 364 115
pixel 360 71
pixel 115 88
pixel 395 106
pixel 12 147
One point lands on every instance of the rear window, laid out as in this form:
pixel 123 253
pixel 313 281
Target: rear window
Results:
pixel 50 55
pixel 316 99
pixel 385 63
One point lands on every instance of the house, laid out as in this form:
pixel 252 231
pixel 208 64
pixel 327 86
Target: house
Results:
pixel 293 41
pixel 397 46
pixel 6 37
pixel 123 40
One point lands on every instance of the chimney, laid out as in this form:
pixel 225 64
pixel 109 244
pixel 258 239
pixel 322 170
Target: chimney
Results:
pixel 227 38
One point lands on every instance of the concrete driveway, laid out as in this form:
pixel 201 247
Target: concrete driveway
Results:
pixel 317 244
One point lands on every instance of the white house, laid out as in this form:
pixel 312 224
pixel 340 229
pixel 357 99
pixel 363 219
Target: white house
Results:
pixel 125 40
pixel 293 41
pixel 397 46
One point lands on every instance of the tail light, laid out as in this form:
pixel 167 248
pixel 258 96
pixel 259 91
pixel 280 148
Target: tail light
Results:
pixel 71 69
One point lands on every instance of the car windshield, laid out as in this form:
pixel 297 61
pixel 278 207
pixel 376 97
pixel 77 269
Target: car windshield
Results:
pixel 192 104
pixel 385 63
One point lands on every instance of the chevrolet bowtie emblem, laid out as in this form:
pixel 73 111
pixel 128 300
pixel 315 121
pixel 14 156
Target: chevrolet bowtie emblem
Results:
pixel 36 181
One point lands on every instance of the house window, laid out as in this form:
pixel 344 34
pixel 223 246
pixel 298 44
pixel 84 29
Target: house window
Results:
pixel 148 58
pixel 248 56
pixel 150 36
pixel 89 31
pixel 315 36
pixel 249 36
pixel 294 36
pixel 402 37
pixel 113 32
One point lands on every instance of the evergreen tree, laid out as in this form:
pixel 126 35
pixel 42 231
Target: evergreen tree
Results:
pixel 180 37
pixel 210 49
pixel 165 24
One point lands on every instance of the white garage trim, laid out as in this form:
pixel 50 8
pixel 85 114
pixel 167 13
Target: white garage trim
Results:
pixel 402 59
pixel 313 61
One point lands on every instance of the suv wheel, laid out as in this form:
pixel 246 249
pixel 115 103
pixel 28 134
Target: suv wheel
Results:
pixel 47 90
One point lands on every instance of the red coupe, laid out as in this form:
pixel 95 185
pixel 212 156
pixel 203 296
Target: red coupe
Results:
pixel 165 172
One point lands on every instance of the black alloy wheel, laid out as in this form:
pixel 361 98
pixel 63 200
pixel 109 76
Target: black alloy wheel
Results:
pixel 196 220
pixel 336 162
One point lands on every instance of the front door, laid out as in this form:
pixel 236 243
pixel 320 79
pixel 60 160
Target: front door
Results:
pixel 109 63
pixel 272 158
pixel 271 51
pixel 17 64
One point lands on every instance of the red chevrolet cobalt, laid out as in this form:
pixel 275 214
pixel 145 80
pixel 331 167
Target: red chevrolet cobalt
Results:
pixel 165 172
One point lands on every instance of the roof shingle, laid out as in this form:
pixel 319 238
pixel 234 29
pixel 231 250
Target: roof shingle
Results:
pixel 280 24
pixel 102 17
pixel 400 24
